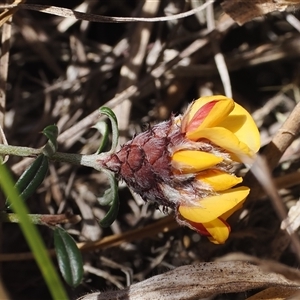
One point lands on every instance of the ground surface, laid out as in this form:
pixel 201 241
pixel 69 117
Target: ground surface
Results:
pixel 62 70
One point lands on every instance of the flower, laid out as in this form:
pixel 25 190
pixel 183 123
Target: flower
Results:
pixel 186 163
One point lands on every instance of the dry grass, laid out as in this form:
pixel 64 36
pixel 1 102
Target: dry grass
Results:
pixel 61 70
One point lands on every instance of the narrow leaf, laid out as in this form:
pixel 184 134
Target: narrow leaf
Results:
pixel 103 129
pixel 114 125
pixel 37 179
pixel 107 197
pixel 111 197
pixel 51 132
pixel 68 256
pixel 32 177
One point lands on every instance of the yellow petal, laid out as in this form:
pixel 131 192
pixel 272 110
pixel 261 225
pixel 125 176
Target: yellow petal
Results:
pixel 218 230
pixel 211 208
pixel 225 139
pixel 202 115
pixel 189 161
pixel 231 211
pixel 218 180
pixel 243 126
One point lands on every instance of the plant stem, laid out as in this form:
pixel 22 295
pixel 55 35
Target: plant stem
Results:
pixel 79 159
pixel 14 218
pixel 72 158
pixel 38 219
pixel 19 151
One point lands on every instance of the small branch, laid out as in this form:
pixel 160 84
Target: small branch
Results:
pixel 283 138
pixel 37 219
pixel 275 149
pixel 165 224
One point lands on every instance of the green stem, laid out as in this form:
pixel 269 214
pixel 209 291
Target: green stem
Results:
pixel 79 159
pixel 19 151
pixel 72 158
pixel 14 218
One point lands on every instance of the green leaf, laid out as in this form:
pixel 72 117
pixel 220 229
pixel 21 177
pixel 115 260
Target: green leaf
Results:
pixel 68 256
pixel 37 179
pixel 103 129
pixel 114 125
pixel 33 237
pixel 107 198
pixel 51 132
pixel 32 177
pixel 113 198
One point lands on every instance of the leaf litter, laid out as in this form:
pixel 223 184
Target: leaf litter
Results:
pixel 61 70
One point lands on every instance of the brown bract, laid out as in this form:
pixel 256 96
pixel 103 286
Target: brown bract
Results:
pixel 144 162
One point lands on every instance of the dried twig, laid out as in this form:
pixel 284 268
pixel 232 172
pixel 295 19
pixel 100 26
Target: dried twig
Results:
pixel 263 175
pixel 156 73
pixel 9 11
pixel 218 56
pixel 130 71
pixel 4 60
pixel 68 13
pixel 164 225
pixel 274 151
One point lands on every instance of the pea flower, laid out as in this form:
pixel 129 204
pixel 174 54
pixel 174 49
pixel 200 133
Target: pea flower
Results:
pixel 186 163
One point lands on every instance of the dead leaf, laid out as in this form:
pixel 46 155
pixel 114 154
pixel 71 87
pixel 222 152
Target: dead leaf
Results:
pixel 266 265
pixel 274 293
pixel 243 11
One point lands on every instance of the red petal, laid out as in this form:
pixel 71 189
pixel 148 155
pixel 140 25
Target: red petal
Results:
pixel 199 228
pixel 200 115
